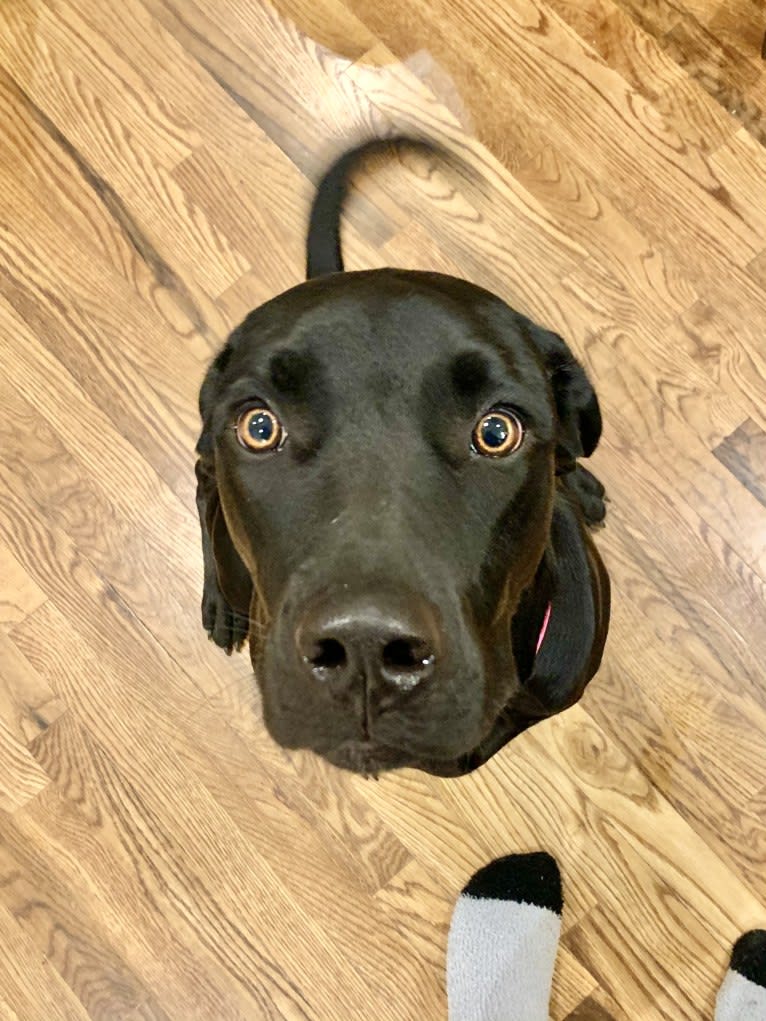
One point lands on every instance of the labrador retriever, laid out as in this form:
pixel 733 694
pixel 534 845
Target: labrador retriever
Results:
pixel 393 512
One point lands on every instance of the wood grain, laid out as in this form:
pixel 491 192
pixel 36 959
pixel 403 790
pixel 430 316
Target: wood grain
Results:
pixel 28 705
pixel 160 858
pixel 744 454
pixel 18 593
pixel 21 779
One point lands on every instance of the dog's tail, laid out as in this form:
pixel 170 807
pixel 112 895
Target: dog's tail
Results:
pixel 323 242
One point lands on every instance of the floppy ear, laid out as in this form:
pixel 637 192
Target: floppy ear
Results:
pixel 232 576
pixel 578 588
pixel 572 579
pixel 227 588
pixel 577 406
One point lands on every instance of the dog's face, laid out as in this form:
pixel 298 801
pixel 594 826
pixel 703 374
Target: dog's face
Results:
pixel 384 447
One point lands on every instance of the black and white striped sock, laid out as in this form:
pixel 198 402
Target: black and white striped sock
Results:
pixel 502 942
pixel 742 996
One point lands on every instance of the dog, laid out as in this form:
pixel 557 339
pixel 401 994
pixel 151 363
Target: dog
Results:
pixel 393 512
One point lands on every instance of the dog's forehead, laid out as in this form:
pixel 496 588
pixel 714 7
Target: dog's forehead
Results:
pixel 384 327
pixel 402 334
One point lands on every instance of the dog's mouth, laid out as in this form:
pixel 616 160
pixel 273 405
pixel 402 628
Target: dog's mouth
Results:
pixel 367 757
pixel 361 717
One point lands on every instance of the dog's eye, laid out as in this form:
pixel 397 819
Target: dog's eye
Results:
pixel 497 434
pixel 259 429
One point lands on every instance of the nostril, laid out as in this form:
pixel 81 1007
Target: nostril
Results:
pixel 375 643
pixel 407 656
pixel 329 655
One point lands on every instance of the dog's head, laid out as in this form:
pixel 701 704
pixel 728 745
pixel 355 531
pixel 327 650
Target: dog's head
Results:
pixel 382 451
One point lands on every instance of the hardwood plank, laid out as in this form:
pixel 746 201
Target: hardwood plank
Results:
pixel 683 920
pixel 21 779
pixel 28 705
pixel 35 148
pixel 252 53
pixel 657 17
pixel 571 200
pixel 739 23
pixel 716 44
pixel 18 593
pixel 31 990
pixel 102 94
pixel 711 327
pixel 644 429
pixel 722 69
pixel 744 454
pixel 740 165
pixel 572 984
pixel 70 500
pixel 350 846
pixel 625 44
pixel 237 915
pixel 258 82
pixel 76 334
pixel 149 675
pixel 81 421
pixel 549 68
pixel 144 189
pixel 700 583
pixel 757 269
pixel 102 861
pixel 590 1010
pixel 614 846
pixel 693 777
pixel 74 942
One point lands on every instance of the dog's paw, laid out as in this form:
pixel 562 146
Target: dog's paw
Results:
pixel 590 495
pixel 227 628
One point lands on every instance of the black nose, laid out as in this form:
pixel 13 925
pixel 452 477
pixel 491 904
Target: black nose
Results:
pixel 390 640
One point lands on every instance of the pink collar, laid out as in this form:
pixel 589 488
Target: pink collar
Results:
pixel 544 628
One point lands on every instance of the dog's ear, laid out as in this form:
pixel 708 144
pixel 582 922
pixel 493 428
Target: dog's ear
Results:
pixel 577 406
pixel 573 582
pixel 228 587
pixel 577 586
pixel 233 577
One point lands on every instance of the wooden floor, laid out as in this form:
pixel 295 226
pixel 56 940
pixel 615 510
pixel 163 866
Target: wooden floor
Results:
pixel 160 858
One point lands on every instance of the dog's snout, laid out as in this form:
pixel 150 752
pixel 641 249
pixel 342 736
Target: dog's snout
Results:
pixel 385 641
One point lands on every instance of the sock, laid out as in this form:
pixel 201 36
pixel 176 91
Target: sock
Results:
pixel 742 997
pixel 503 939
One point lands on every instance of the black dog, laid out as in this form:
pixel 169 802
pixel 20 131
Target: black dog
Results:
pixel 392 510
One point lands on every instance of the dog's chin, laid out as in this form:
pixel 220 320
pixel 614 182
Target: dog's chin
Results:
pixel 367 757
pixel 370 759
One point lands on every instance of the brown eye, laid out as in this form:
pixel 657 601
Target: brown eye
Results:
pixel 497 434
pixel 259 429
